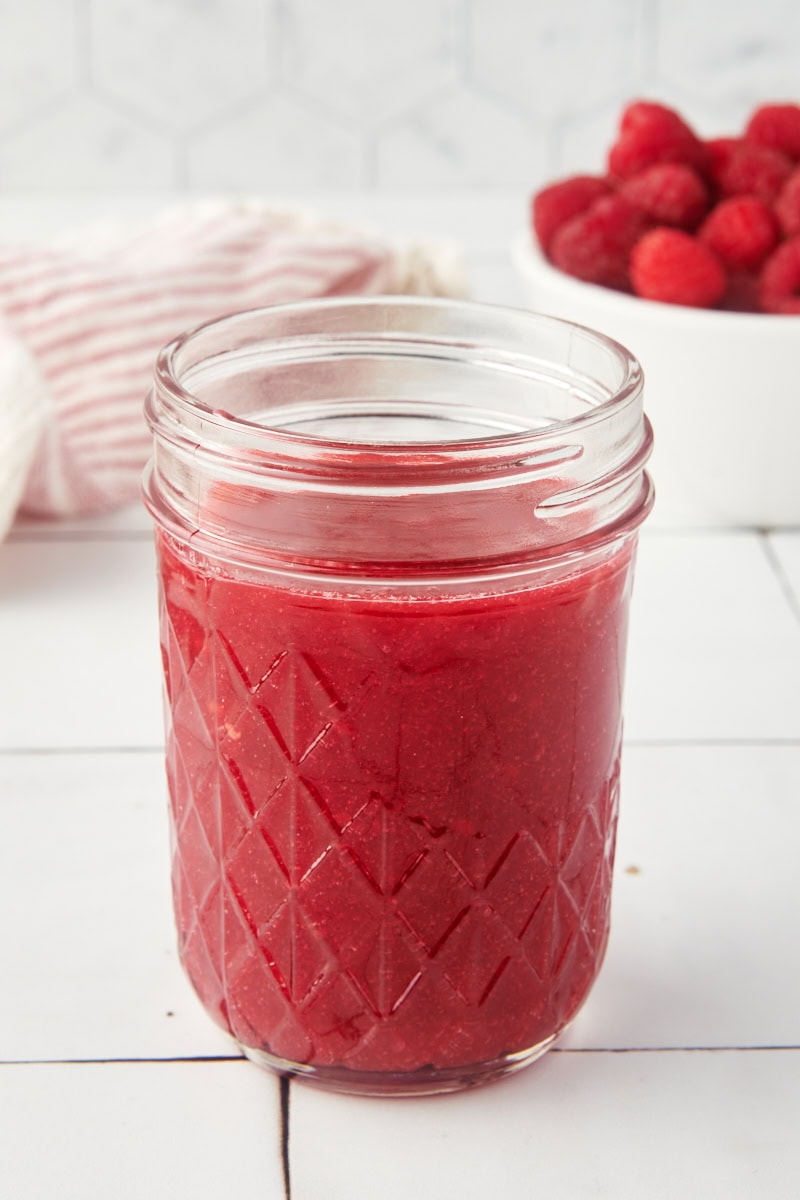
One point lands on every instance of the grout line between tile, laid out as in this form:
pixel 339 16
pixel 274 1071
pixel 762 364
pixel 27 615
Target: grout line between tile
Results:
pixel 670 1049
pixel 720 742
pixel 630 743
pixel 110 1062
pixel 54 751
pixel 285 1081
pixel 285 1085
pixel 784 583
pixel 723 531
pixel 29 537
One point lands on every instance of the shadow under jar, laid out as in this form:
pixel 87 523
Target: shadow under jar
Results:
pixel 395 544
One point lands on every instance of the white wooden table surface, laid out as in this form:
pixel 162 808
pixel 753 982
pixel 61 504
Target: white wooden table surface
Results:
pixel 681 1077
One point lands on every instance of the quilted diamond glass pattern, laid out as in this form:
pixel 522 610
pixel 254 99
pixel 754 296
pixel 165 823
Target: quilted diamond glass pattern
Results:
pixel 393 821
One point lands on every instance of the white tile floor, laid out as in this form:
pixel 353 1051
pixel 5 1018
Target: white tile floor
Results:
pixel 680 1078
pixel 721 1126
pixel 130 1130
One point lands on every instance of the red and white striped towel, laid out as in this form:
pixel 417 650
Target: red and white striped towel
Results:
pixel 81 322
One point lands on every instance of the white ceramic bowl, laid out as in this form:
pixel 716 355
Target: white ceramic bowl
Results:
pixel 721 389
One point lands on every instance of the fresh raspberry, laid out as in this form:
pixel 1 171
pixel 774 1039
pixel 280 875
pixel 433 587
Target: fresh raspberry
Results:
pixel 741 231
pixel 776 126
pixel 668 193
pixel 648 116
pixel 558 203
pixel 719 151
pixel 595 246
pixel 787 206
pixel 779 283
pixel 674 267
pixel 753 171
pixel 652 133
pixel 741 294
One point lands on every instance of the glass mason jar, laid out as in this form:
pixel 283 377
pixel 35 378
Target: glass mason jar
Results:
pixel 395 542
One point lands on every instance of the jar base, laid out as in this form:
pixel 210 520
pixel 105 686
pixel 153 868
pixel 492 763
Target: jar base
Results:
pixel 426 1081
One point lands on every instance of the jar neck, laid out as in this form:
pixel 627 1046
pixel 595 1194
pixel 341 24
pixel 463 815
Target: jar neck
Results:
pixel 395 433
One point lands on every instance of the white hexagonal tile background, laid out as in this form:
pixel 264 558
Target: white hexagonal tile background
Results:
pixel 180 62
pixel 460 139
pixel 86 144
pixel 369 60
pixel 556 58
pixel 276 145
pixel 38 57
pixel 299 95
pixel 741 52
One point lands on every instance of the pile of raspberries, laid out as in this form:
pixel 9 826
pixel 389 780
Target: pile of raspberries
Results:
pixel 707 223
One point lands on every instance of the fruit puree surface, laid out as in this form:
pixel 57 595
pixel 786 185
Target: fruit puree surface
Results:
pixel 393 816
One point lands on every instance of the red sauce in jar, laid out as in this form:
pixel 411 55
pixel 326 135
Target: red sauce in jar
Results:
pixel 393 816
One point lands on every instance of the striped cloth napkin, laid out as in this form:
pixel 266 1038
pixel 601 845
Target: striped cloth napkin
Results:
pixel 82 320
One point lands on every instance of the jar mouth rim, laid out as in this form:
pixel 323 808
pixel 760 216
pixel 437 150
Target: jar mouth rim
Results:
pixel 416 321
